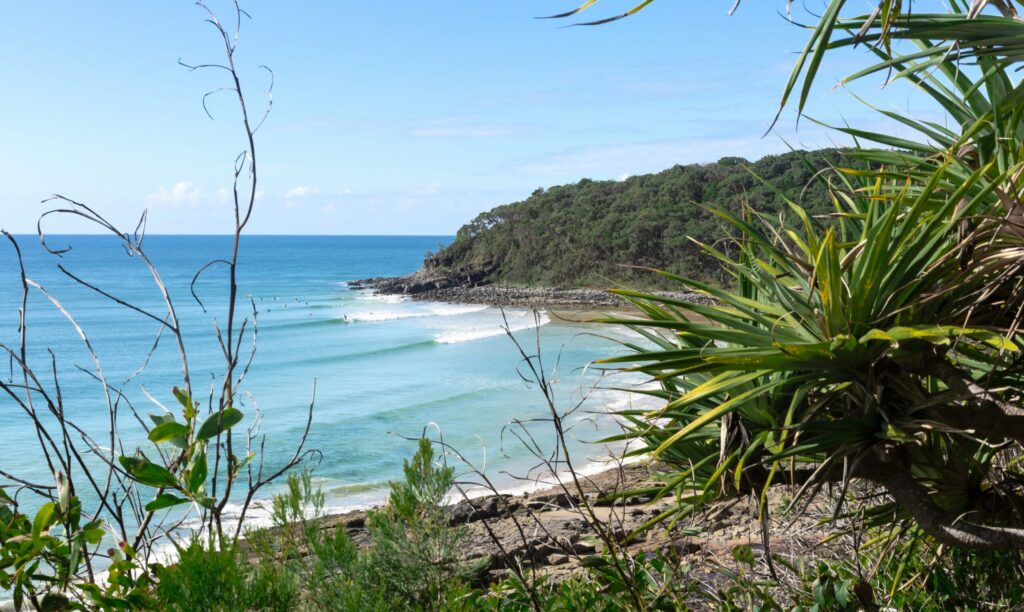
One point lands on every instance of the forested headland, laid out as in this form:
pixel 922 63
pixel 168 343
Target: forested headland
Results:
pixel 585 233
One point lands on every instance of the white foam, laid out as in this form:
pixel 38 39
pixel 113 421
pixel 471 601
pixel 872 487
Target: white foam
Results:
pixel 437 310
pixel 547 480
pixel 378 316
pixel 479 333
pixel 383 297
pixel 445 310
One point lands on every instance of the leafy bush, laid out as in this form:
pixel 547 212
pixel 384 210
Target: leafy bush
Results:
pixel 207 578
pixel 330 570
pixel 299 563
pixel 884 347
pixel 413 549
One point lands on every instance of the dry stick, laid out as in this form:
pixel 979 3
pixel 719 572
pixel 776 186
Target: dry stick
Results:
pixel 134 249
pixel 171 321
pixel 112 412
pixel 296 459
pixel 23 343
pixel 611 545
pixel 116 479
pixel 252 352
pixel 10 390
pixel 70 448
pixel 228 389
pixel 68 532
pixel 74 450
pixel 39 489
pixel 111 297
pixel 535 449
pixel 489 485
pixel 192 285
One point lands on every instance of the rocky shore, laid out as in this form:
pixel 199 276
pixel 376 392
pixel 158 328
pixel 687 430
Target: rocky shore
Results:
pixel 476 289
pixel 551 531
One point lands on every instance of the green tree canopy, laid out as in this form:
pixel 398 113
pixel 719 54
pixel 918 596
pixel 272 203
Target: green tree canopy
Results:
pixel 584 233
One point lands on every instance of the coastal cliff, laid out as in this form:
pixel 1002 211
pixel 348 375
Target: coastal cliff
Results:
pixel 566 244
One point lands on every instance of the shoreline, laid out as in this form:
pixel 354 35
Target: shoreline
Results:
pixel 549 530
pixel 443 290
pixel 559 537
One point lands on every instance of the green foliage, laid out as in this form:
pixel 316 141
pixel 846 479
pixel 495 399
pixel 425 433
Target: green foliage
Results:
pixel 588 3
pixel 301 563
pixel 663 583
pixel 42 557
pixel 186 470
pixel 881 348
pixel 903 578
pixel 205 577
pixel 582 234
pixel 666 582
pixel 331 571
pixel 413 550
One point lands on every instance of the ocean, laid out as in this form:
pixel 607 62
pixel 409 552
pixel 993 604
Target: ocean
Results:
pixel 387 369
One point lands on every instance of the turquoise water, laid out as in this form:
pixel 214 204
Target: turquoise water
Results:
pixel 385 367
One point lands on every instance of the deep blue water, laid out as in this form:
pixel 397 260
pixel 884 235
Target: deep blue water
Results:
pixel 385 368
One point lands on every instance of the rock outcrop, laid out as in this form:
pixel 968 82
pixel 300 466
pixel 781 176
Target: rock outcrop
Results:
pixel 475 288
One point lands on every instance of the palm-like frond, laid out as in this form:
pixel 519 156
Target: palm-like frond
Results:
pixel 822 355
pixel 589 3
pixel 883 343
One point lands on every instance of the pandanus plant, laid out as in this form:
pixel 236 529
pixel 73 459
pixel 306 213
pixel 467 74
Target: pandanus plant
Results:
pixel 879 346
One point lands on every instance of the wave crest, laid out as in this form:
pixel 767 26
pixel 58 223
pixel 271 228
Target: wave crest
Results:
pixel 440 310
pixel 481 333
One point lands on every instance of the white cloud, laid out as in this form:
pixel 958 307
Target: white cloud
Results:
pixel 183 193
pixel 301 192
pixel 330 209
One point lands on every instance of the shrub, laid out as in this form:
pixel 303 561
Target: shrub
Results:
pixel 207 578
pixel 413 547
pixel 879 345
pixel 411 561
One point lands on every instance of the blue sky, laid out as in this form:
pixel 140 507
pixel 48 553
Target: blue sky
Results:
pixel 389 117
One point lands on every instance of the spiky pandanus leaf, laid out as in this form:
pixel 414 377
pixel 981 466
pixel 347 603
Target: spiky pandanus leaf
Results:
pixel 811 361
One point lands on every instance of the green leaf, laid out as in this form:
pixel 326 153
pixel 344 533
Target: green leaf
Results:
pixel 717 412
pixel 44 518
pixel 160 419
pixel 165 501
pixel 219 422
pixel 183 397
pixel 73 557
pixel 186 402
pixel 743 554
pixel 197 478
pixel 93 532
pixel 938 334
pixel 146 472
pixel 246 461
pixel 169 432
